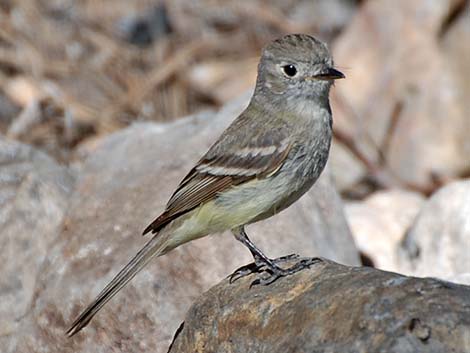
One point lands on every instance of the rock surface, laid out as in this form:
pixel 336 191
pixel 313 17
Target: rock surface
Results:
pixel 330 308
pixel 438 243
pixel 380 222
pixel 34 192
pixel 123 185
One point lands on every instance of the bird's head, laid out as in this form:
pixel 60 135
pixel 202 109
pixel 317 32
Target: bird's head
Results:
pixel 296 66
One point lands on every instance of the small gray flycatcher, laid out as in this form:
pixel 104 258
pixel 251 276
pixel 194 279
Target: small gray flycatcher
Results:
pixel 263 162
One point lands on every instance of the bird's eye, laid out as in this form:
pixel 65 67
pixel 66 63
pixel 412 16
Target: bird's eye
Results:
pixel 289 70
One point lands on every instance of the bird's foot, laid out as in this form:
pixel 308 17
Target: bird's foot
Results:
pixel 271 268
pixel 277 272
pixel 259 265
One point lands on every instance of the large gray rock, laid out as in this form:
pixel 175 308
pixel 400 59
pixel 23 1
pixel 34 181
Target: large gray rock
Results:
pixel 380 222
pixel 330 308
pixel 34 192
pixel 123 186
pixel 438 243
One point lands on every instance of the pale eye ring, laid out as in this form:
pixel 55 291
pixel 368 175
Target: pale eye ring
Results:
pixel 290 70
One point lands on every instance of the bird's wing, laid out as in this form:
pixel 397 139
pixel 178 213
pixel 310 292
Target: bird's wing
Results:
pixel 219 169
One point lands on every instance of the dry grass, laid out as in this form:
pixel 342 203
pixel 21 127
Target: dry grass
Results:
pixel 72 71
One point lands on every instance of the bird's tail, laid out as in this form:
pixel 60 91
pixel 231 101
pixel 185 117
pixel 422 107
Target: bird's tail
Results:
pixel 155 247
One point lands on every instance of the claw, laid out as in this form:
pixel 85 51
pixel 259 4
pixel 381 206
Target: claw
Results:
pixel 243 271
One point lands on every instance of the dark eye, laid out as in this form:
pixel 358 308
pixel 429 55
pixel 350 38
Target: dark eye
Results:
pixel 289 70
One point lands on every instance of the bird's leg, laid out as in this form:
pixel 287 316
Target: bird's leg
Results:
pixel 263 263
pixel 260 259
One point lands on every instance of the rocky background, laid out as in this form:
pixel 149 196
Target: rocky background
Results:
pixel 105 105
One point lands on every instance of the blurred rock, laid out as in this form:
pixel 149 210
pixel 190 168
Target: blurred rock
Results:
pixel 330 308
pixel 438 243
pixel 34 192
pixel 394 59
pixel 379 224
pixel 123 186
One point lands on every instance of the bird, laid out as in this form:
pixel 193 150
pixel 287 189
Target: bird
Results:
pixel 269 156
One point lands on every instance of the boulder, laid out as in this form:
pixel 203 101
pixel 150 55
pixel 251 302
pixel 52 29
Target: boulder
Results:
pixel 329 308
pixel 34 192
pixel 380 222
pixel 123 186
pixel 438 243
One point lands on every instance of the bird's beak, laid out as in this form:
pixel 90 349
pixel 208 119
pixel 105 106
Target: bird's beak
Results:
pixel 329 74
